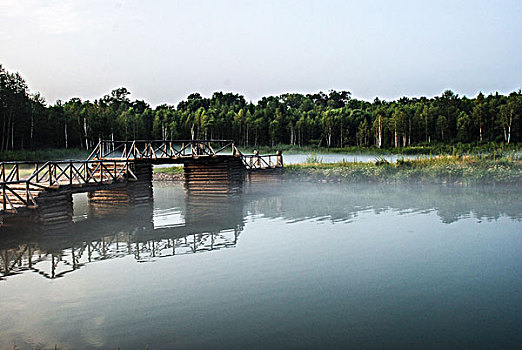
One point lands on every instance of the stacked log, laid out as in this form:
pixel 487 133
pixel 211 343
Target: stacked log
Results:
pixel 55 209
pixel 104 202
pixel 134 193
pixel 265 176
pixel 220 177
pixel 141 190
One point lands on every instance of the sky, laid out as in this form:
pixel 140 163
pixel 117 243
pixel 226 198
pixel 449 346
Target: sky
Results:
pixel 162 51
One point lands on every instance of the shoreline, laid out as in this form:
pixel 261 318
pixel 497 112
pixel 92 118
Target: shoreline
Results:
pixel 436 149
pixel 449 170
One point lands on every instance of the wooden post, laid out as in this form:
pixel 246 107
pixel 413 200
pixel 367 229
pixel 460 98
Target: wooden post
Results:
pixel 4 197
pixel 279 161
pixel 27 192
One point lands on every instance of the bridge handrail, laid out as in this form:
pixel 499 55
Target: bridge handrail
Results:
pixel 52 173
pixel 255 161
pixel 153 149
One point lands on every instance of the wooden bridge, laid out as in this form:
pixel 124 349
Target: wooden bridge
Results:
pixel 121 172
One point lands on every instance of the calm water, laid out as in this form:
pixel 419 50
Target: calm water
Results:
pixel 347 157
pixel 284 266
pixel 335 157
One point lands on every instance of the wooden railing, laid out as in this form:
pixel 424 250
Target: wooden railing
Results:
pixel 269 161
pixel 19 184
pixel 162 149
pixel 174 149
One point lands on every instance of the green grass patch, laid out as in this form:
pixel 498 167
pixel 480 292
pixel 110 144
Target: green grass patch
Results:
pixel 45 154
pixel 442 169
pixel 175 170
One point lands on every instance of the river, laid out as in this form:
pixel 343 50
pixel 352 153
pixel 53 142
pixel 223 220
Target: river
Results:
pixel 296 158
pixel 285 265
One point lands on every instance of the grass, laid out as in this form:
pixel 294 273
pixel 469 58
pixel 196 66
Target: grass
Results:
pixel 46 154
pixel 442 169
pixel 175 170
pixel 463 170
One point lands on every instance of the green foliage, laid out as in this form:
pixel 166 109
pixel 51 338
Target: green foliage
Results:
pixel 381 161
pixel 446 124
pixel 313 159
pixel 175 170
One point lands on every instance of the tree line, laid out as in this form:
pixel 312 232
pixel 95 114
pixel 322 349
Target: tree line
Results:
pixel 333 119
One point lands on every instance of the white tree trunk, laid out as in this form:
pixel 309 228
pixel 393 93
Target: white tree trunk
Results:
pixel 65 132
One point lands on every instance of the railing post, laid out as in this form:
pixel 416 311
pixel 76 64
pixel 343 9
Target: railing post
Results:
pixel 4 196
pixel 70 173
pixel 50 175
pixel 279 159
pixel 17 172
pixel 27 193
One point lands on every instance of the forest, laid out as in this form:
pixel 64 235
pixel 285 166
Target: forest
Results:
pixel 331 120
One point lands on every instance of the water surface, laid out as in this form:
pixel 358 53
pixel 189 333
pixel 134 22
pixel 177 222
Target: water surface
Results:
pixel 292 265
pixel 344 157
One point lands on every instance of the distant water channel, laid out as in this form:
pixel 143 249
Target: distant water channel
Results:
pixel 344 157
pixel 284 266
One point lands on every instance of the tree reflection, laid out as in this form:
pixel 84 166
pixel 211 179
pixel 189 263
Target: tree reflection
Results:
pixel 211 223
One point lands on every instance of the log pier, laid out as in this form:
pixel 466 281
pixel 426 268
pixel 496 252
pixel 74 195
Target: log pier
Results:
pixel 136 192
pixel 214 177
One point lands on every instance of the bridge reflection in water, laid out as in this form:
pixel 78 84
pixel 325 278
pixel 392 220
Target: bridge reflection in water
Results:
pixel 186 224
pixel 106 231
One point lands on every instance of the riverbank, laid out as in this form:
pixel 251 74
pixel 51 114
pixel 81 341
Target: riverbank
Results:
pixel 490 148
pixel 441 170
pixel 174 173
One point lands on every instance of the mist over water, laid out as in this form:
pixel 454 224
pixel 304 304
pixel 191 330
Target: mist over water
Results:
pixel 285 265
pixel 345 157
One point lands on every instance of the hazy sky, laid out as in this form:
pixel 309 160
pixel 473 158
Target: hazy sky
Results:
pixel 163 50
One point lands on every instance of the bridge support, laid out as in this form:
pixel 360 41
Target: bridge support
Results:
pixel 214 177
pixel 55 209
pixel 132 193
